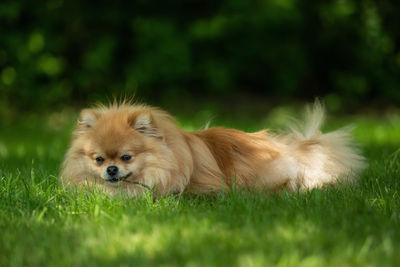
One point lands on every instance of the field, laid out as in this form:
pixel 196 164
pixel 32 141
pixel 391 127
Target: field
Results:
pixel 41 224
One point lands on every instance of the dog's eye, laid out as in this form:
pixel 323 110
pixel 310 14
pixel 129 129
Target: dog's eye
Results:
pixel 126 158
pixel 99 160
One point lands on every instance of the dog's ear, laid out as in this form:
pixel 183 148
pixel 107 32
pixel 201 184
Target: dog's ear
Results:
pixel 87 119
pixel 144 123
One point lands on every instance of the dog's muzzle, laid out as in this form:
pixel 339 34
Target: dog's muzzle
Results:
pixel 115 180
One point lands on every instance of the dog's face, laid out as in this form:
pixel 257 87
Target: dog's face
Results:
pixel 133 146
pixel 118 145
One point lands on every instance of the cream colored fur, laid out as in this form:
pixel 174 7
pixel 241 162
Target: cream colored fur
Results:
pixel 173 161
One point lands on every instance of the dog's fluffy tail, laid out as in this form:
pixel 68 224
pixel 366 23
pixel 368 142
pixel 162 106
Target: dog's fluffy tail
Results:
pixel 320 158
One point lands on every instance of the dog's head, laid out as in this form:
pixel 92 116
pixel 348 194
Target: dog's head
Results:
pixel 117 144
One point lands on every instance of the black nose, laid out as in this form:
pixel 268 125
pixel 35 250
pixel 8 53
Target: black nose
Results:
pixel 112 170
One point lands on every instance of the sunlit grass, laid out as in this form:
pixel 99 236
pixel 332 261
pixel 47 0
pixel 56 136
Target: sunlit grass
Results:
pixel 42 224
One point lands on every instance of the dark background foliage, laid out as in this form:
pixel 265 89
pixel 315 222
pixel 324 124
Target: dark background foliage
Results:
pixel 58 53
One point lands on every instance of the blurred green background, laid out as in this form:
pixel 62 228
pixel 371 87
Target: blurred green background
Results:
pixel 236 63
pixel 59 53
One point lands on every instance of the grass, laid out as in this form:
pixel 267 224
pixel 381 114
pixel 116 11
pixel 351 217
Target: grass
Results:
pixel 43 225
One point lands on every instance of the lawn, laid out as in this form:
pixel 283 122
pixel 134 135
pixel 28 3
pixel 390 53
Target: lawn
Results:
pixel 43 225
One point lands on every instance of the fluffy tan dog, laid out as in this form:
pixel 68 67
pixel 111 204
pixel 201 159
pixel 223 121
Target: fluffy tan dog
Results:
pixel 129 148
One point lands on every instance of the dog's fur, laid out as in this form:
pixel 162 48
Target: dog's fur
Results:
pixel 171 160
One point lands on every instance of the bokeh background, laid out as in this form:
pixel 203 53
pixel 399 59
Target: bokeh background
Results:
pixel 56 54
pixel 237 63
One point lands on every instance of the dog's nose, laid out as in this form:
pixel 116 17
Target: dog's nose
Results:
pixel 112 170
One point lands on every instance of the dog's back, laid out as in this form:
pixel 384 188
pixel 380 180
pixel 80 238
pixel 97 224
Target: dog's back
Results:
pixel 302 159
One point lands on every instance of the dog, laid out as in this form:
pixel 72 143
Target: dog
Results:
pixel 129 148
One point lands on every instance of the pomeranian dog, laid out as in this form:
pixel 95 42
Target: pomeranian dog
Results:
pixel 129 148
